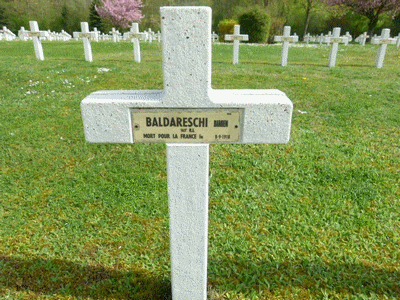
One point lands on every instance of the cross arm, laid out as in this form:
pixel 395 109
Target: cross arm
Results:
pixel 266 117
pixel 106 114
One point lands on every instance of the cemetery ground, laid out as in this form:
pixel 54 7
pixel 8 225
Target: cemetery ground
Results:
pixel 317 218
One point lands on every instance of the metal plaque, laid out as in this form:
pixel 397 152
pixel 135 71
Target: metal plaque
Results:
pixel 135 35
pixel 336 40
pixel 236 38
pixel 388 42
pixel 186 125
pixel 34 34
pixel 84 35
pixel 287 39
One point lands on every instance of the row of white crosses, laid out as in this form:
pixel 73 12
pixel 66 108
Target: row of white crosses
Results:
pixel 23 35
pixel 336 39
pixel 85 35
pixel 187 115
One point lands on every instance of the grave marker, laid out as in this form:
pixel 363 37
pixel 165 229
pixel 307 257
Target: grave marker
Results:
pixel 286 39
pixel 307 38
pixel 85 35
pixel 65 36
pixel 363 38
pixel 135 36
pixel 349 38
pixel 188 115
pixel 35 34
pixel 335 40
pixel 327 38
pixel 95 34
pixel 115 35
pixel 23 34
pixel 383 40
pixel 236 37
pixel 215 37
pixel 8 34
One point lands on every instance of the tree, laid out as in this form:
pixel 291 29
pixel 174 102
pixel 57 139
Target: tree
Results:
pixel 121 13
pixel 309 6
pixel 256 23
pixel 94 17
pixel 372 9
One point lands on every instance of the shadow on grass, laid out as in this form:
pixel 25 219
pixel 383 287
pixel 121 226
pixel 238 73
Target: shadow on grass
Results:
pixel 315 277
pixel 61 277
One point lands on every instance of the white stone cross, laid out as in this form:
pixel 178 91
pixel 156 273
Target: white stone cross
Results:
pixel 236 37
pixel 85 35
pixel 135 36
pixel 23 34
pixel 398 41
pixel 215 37
pixel 335 40
pixel 8 34
pixel 115 35
pixel 307 38
pixel 327 38
pixel 286 39
pixel 65 35
pixel 36 34
pixel 321 38
pixel 363 38
pixel 188 115
pixel 383 40
pixel 95 34
pixel 349 38
pixel 150 35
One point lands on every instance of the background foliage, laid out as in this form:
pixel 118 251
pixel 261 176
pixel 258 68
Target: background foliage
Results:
pixel 312 16
pixel 255 22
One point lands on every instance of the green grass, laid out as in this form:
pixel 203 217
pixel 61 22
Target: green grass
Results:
pixel 317 218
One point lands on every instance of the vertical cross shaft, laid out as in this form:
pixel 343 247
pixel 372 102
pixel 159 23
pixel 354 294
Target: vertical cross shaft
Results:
pixel 86 41
pixel 187 76
pixel 187 170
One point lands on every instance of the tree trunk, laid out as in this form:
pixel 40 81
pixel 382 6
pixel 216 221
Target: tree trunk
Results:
pixel 308 15
pixel 373 21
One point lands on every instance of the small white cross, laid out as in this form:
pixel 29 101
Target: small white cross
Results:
pixel 307 38
pixel 115 35
pixel 85 35
pixel 286 39
pixel 135 36
pixel 349 38
pixel 335 39
pixel 35 34
pixel 236 37
pixel 188 115
pixel 383 40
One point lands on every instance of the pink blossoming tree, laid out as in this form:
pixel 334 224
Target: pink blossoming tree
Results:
pixel 372 9
pixel 120 13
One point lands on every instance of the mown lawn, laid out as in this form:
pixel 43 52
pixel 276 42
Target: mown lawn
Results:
pixel 317 218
